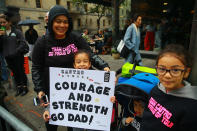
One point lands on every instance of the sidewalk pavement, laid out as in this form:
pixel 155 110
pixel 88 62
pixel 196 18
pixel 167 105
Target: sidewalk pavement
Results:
pixel 22 106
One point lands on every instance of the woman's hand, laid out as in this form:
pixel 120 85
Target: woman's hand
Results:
pixel 129 120
pixel 46 116
pixel 40 95
pixel 113 99
pixel 106 69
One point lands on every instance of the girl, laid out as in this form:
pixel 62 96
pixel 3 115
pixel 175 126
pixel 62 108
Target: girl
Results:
pixel 81 61
pixel 173 103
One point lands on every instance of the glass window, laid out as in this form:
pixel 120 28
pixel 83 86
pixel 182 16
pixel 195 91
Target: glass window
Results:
pixel 90 21
pixel 79 22
pixel 86 21
pixel 86 7
pixel 38 4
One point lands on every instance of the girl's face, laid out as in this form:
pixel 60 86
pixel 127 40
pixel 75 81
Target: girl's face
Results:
pixel 5 23
pixel 138 108
pixel 82 61
pixel 172 79
pixel 60 26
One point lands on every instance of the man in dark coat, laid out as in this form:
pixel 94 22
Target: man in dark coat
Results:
pixel 31 36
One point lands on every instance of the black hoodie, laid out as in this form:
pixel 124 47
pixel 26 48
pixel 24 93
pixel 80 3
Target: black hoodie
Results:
pixel 50 52
pixel 171 111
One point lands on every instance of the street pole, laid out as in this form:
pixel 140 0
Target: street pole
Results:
pixel 193 47
pixel 2 6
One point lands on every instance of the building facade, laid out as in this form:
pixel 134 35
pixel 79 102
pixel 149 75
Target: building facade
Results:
pixel 36 9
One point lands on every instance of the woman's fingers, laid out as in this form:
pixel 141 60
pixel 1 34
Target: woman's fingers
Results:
pixel 46 116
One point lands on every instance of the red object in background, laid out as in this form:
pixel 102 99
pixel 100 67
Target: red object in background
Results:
pixel 26 65
pixel 149 41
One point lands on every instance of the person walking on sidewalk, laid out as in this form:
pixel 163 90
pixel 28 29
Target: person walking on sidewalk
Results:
pixel 31 36
pixel 14 54
pixel 56 49
pixel 132 40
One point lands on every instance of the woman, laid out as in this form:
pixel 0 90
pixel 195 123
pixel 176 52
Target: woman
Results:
pixel 56 49
pixel 132 40
pixel 13 50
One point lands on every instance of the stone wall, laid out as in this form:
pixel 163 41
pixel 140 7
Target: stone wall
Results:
pixel 28 10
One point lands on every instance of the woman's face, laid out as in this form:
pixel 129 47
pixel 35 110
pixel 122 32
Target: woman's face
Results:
pixel 5 23
pixel 169 62
pixel 60 26
pixel 138 21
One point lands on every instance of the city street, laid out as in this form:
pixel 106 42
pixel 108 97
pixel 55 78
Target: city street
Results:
pixel 23 108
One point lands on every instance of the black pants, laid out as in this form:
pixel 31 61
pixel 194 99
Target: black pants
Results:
pixel 50 127
pixel 16 65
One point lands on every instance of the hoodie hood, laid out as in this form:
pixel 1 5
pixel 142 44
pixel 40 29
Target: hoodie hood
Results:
pixel 54 12
pixel 187 91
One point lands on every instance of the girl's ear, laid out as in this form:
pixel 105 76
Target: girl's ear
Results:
pixel 186 74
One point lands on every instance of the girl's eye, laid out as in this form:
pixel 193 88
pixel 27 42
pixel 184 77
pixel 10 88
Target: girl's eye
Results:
pixel 175 70
pixel 86 61
pixel 77 61
pixel 161 69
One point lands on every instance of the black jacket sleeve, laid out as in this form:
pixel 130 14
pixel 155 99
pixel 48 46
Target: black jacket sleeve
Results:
pixel 22 44
pixel 1 43
pixel 38 65
pixel 96 61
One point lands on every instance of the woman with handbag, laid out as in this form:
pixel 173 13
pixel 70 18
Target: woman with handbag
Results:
pixel 132 40
pixel 14 47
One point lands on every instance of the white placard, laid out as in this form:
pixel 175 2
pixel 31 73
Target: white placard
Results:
pixel 81 98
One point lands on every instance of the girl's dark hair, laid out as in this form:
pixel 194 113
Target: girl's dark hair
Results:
pixel 135 16
pixel 80 51
pixel 182 54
